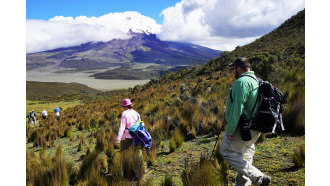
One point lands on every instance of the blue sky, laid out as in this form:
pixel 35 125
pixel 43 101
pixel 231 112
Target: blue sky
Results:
pixel 46 9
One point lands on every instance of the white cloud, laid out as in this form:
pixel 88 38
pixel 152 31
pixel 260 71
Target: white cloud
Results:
pixel 224 43
pixel 218 24
pixel 224 24
pixel 67 31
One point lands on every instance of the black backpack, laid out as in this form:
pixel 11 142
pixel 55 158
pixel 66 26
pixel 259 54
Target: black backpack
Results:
pixel 268 116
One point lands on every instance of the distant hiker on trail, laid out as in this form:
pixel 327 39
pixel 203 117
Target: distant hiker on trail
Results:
pixel 128 118
pixel 32 117
pixel 240 103
pixel 57 112
pixel 44 114
pixel 29 116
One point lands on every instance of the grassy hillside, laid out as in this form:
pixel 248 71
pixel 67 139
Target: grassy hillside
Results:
pixel 182 111
pixel 67 92
pixel 45 90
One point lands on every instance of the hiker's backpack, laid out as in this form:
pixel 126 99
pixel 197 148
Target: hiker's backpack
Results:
pixel 140 135
pixel 269 108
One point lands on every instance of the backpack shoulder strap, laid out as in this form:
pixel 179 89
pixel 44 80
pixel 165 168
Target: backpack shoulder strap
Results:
pixel 255 78
pixel 248 75
pixel 251 76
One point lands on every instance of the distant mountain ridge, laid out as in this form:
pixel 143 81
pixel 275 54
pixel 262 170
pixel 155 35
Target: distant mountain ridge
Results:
pixel 141 48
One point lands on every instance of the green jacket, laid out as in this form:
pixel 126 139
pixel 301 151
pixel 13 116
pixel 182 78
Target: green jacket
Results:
pixel 244 94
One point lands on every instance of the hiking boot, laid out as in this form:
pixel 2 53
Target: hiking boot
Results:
pixel 265 180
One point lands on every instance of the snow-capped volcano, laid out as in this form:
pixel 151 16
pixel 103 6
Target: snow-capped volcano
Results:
pixel 68 31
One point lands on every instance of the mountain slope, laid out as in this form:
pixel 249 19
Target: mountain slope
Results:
pixel 284 46
pixel 141 48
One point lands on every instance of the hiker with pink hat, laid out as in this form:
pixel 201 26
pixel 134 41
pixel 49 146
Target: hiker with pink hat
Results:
pixel 128 118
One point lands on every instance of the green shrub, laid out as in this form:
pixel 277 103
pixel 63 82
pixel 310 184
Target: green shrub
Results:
pixel 157 134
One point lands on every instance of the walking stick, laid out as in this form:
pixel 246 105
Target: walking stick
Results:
pixel 216 142
pixel 215 145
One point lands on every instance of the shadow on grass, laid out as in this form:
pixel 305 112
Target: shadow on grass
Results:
pixel 290 169
pixel 163 153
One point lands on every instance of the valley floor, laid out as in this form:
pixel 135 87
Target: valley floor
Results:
pixel 81 77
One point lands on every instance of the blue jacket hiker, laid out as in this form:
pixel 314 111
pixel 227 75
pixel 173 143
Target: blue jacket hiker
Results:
pixel 57 112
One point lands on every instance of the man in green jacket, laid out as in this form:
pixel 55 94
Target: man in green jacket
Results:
pixel 241 100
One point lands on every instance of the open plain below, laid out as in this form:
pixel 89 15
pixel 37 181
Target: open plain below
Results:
pixel 43 75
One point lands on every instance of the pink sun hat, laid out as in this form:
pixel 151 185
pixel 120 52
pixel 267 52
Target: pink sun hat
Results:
pixel 126 102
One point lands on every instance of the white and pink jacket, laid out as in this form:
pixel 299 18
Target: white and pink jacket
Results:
pixel 128 118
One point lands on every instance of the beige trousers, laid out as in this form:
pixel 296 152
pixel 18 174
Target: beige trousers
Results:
pixel 239 155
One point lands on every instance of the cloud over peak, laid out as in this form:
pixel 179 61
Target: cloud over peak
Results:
pixel 67 31
pixel 218 24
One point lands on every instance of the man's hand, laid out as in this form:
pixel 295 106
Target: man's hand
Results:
pixel 230 138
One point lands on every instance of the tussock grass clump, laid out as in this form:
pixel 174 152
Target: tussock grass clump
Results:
pixel 172 145
pixel 132 163
pixel 261 138
pixel 150 156
pixel 80 147
pixel 109 150
pixel 126 166
pixel 81 142
pixel 88 165
pixel 203 174
pixel 47 171
pixel 294 118
pixel 71 138
pixel 178 137
pixel 116 169
pixel 68 132
pixel 168 180
pixel 41 142
pixel 81 127
pixel 34 133
pixel 299 157
pixel 100 140
pixel 207 172
pixel 294 92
